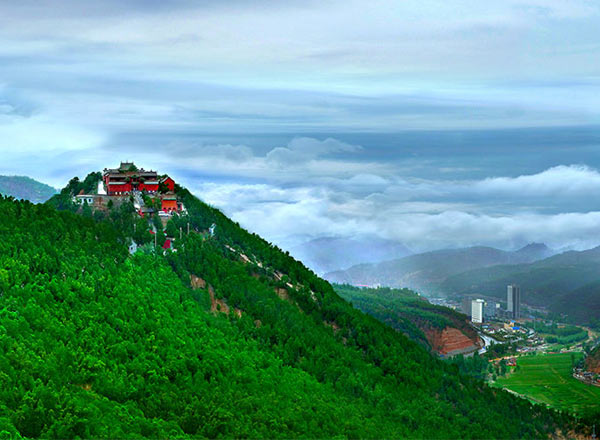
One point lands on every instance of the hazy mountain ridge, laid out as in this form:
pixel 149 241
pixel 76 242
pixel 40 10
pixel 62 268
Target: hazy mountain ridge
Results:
pixel 26 188
pixel 581 304
pixel 565 283
pixel 425 272
pixel 326 254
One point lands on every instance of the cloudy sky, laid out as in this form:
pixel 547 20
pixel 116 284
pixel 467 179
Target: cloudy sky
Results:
pixel 435 124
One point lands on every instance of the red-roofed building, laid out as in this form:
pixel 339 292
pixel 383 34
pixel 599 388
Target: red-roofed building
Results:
pixel 168 182
pixel 128 177
pixel 169 203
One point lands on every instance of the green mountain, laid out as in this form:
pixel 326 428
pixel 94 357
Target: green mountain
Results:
pixel 582 305
pixel 567 283
pixel 425 272
pixel 440 329
pixel 224 336
pixel 21 187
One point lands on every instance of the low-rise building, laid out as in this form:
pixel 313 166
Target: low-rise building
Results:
pixel 169 203
pixel 82 199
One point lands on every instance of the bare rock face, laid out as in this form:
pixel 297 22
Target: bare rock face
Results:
pixel 197 282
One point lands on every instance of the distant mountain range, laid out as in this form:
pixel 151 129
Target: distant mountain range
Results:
pixel 328 254
pixel 22 187
pixel 427 271
pixel 567 283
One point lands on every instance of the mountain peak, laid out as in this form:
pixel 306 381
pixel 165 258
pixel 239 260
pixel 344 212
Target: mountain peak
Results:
pixel 534 251
pixel 537 247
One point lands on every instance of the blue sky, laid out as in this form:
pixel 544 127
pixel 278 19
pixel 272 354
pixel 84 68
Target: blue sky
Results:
pixel 436 124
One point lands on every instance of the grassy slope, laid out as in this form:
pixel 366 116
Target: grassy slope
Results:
pixel 547 379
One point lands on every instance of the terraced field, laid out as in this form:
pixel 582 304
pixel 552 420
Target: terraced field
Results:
pixel 547 379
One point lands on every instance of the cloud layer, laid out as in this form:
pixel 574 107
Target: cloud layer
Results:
pixel 408 120
pixel 503 211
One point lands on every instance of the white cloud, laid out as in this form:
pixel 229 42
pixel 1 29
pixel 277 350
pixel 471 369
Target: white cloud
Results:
pixel 408 213
pixel 560 181
pixel 453 228
pixel 300 160
pixel 101 75
pixel 303 149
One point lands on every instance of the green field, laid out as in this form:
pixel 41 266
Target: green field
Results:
pixel 547 379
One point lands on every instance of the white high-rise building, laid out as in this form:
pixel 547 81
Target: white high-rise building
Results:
pixel 477 310
pixel 513 301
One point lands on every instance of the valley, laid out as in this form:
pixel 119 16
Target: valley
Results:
pixel 535 357
pixel 566 284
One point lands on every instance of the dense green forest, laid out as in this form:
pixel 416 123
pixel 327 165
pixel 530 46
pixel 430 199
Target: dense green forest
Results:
pixel 405 311
pixel 97 343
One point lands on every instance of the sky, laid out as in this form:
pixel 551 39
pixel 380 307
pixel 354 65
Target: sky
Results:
pixel 433 124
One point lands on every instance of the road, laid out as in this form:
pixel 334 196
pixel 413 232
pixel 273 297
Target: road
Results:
pixel 487 341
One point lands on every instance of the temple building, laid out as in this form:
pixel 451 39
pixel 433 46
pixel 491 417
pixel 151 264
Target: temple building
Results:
pixel 128 178
pixel 169 203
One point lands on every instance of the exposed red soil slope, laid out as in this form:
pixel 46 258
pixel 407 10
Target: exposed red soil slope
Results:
pixel 450 340
pixel 592 362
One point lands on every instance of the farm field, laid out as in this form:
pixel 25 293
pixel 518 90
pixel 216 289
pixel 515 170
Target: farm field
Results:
pixel 547 379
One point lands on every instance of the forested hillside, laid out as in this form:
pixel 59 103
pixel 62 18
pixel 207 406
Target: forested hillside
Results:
pixel 581 305
pixel 227 336
pixel 440 329
pixel 26 188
